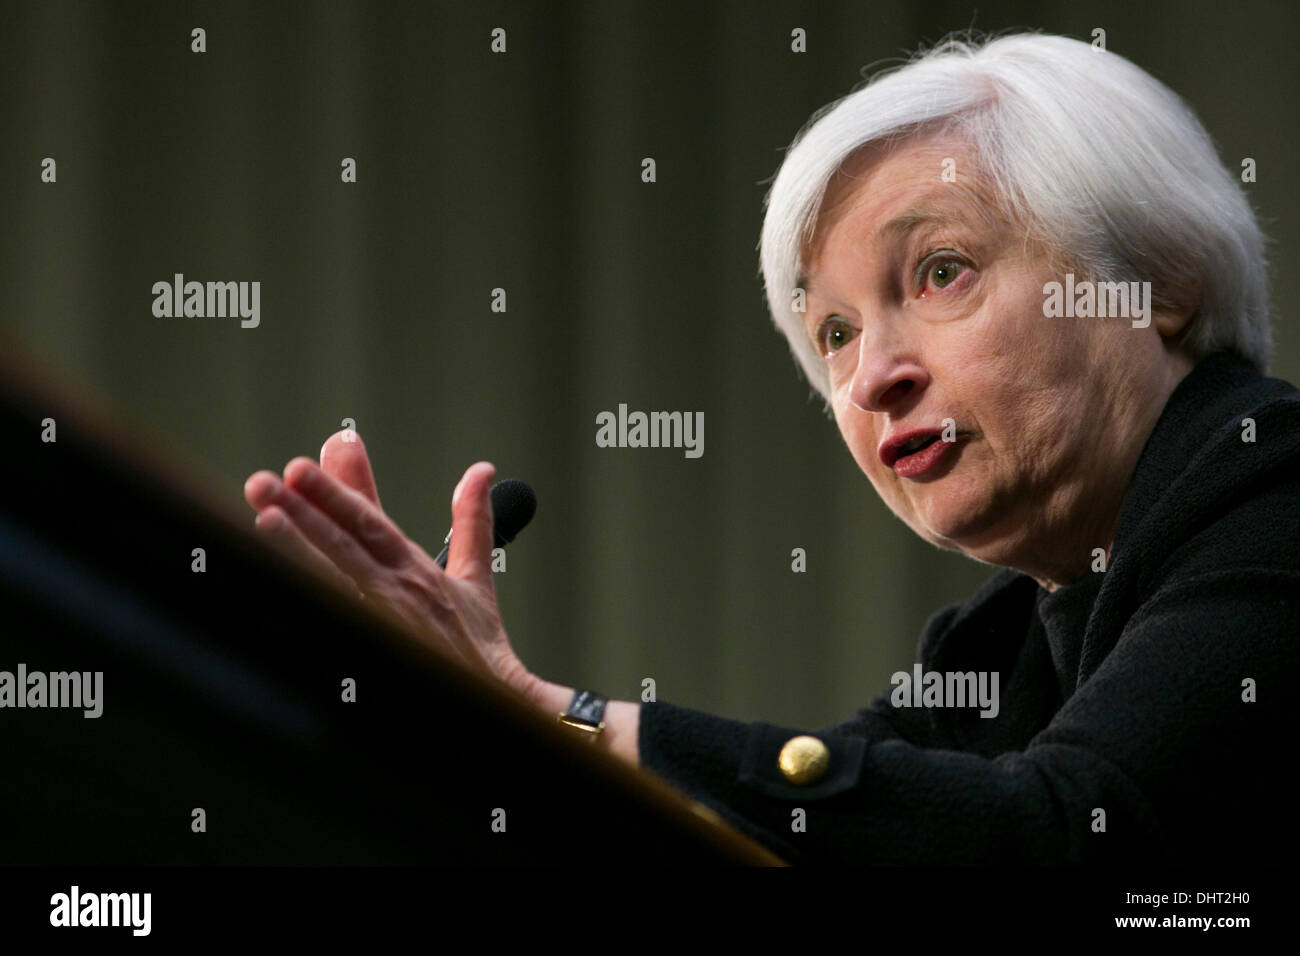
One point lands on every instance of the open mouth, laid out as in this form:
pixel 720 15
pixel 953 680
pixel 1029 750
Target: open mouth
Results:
pixel 922 455
pixel 916 444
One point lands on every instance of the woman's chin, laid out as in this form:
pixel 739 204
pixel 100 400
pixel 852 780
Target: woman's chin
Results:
pixel 954 523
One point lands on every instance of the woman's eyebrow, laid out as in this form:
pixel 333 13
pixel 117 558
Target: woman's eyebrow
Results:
pixel 919 215
pixel 902 225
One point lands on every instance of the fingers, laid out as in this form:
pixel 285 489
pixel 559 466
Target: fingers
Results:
pixel 349 510
pixel 320 529
pixel 469 555
pixel 348 462
pixel 283 534
pixel 260 488
pixel 345 526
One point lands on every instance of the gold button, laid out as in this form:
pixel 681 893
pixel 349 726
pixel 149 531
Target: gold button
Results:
pixel 804 760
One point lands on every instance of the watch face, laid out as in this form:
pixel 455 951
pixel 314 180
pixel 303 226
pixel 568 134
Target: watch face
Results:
pixel 587 706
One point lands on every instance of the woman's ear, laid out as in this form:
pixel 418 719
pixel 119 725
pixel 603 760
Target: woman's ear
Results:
pixel 1175 314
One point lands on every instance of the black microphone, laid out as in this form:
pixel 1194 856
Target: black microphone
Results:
pixel 513 506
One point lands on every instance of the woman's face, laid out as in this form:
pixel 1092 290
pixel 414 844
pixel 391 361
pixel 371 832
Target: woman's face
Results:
pixel 928 306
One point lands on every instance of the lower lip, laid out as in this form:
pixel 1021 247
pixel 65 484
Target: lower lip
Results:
pixel 924 460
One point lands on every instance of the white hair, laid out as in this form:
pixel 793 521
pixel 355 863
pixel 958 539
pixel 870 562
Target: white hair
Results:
pixel 1094 156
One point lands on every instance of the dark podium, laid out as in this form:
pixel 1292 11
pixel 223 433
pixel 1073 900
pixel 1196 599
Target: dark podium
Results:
pixel 222 691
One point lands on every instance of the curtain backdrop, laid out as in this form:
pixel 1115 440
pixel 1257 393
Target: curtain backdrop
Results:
pixel 522 171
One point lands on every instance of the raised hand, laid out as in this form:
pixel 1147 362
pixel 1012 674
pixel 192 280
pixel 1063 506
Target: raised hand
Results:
pixel 329 516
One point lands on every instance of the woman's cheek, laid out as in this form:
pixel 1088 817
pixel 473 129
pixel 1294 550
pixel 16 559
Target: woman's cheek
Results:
pixel 864 451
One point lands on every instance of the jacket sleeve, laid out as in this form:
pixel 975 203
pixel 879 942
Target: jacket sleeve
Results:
pixel 1134 742
pixel 702 754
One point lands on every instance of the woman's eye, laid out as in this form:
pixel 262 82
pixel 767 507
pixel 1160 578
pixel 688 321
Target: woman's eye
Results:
pixel 941 273
pixel 833 335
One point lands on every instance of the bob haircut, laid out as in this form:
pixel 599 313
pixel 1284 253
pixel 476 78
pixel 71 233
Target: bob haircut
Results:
pixel 1098 160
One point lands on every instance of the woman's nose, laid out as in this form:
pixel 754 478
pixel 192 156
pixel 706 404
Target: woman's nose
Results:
pixel 884 380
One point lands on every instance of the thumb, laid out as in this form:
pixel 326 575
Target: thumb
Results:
pixel 344 456
pixel 469 555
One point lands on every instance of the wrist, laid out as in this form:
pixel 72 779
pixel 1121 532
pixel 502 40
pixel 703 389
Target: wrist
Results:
pixel 622 718
pixel 512 672
pixel 551 699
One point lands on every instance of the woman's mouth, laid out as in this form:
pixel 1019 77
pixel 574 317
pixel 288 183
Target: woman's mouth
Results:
pixel 921 456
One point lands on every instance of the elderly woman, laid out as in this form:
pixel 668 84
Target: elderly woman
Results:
pixel 1036 305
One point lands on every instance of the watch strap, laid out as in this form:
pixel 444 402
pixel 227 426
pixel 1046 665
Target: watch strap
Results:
pixel 586 713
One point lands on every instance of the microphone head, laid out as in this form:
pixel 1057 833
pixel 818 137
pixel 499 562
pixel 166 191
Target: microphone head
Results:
pixel 513 506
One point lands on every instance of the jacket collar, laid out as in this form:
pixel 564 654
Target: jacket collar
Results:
pixel 1199 415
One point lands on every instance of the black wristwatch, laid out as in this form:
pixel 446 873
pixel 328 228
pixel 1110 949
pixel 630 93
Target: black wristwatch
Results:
pixel 586 713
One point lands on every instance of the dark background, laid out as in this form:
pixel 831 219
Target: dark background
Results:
pixel 522 171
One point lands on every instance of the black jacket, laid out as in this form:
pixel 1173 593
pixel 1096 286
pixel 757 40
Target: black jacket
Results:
pixel 1123 692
